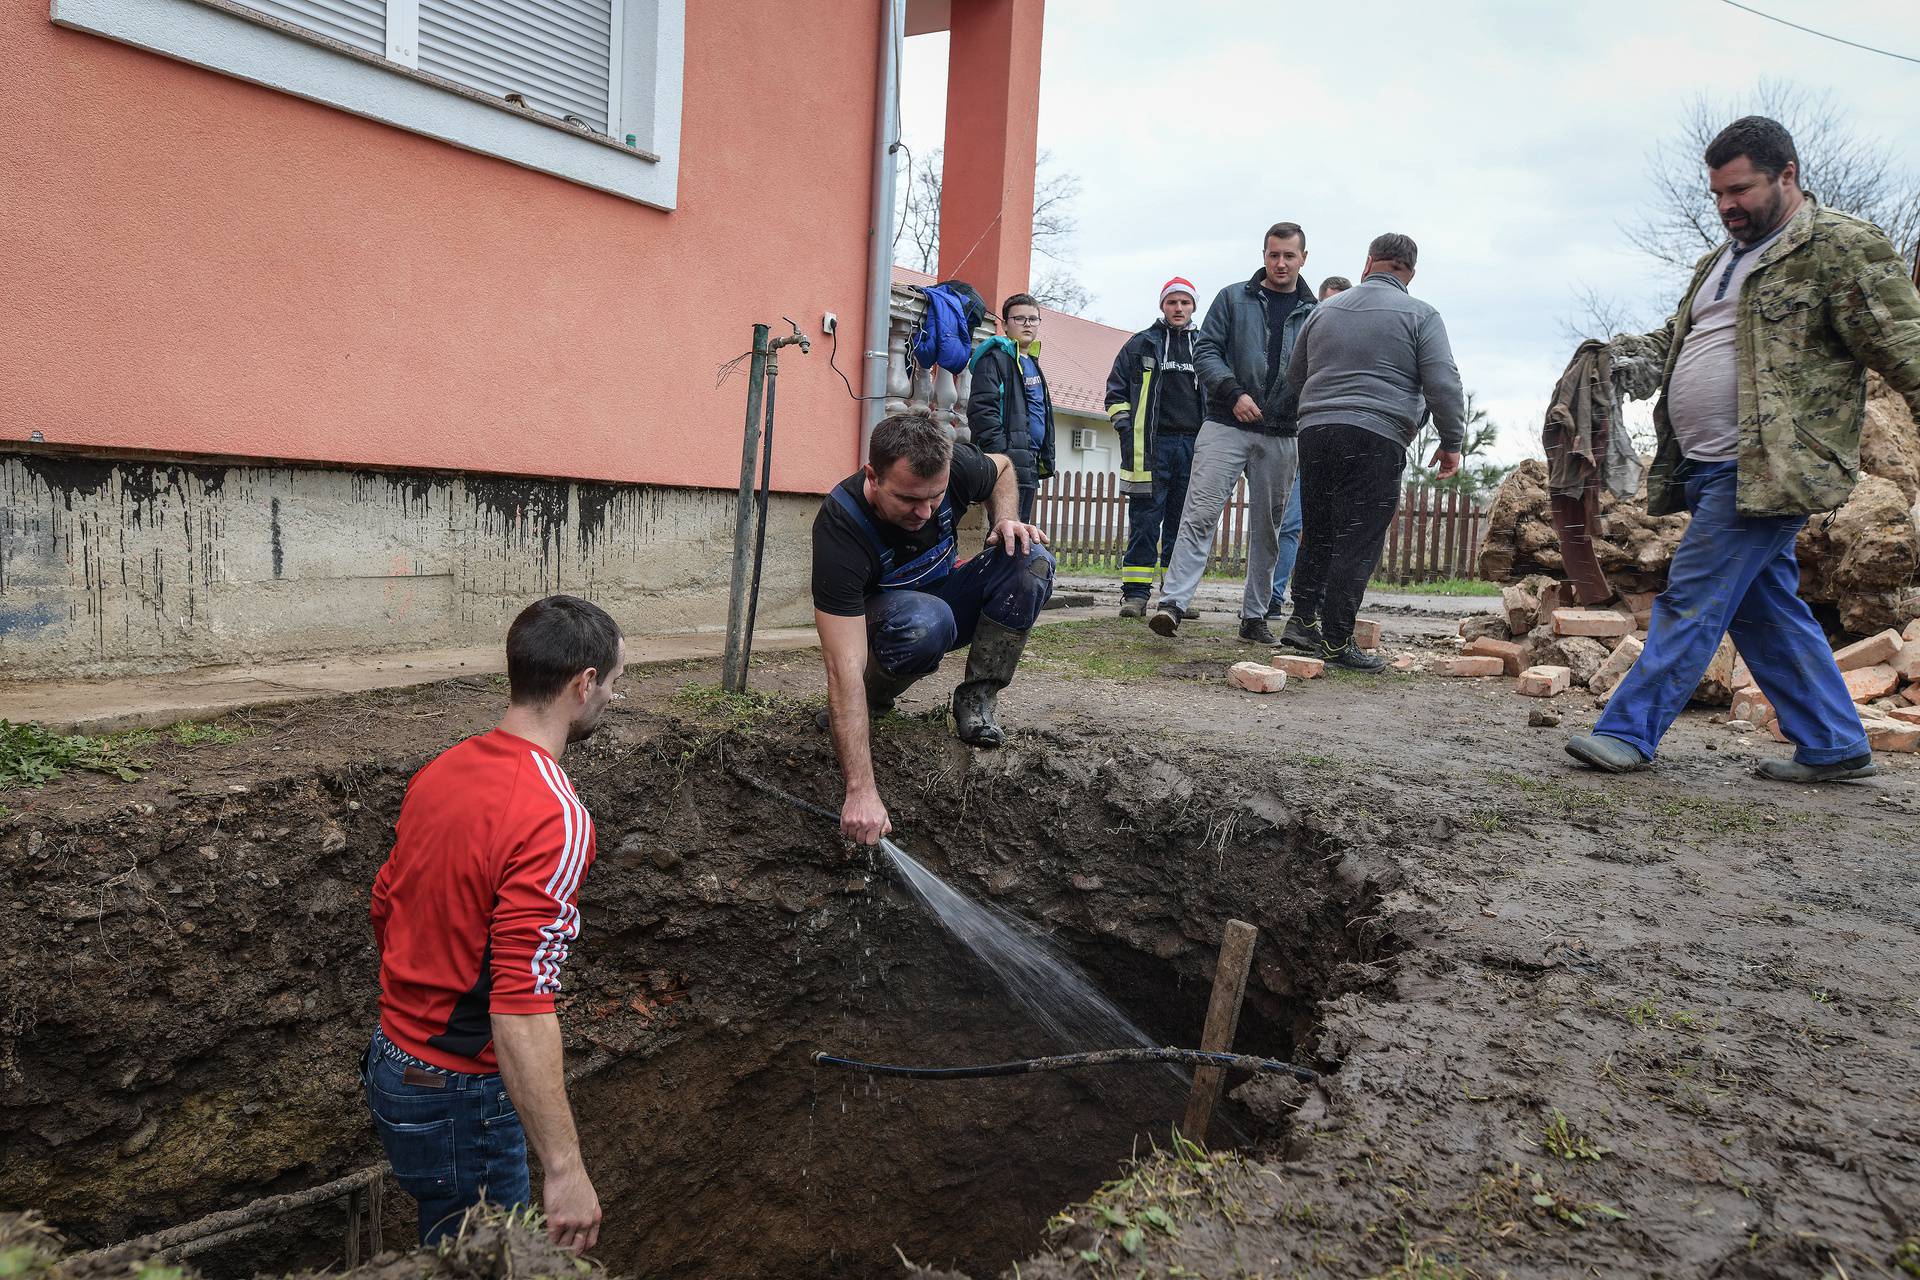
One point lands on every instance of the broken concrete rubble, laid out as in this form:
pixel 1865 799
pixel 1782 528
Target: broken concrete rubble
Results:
pixel 1862 566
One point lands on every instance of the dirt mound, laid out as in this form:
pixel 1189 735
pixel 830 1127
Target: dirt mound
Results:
pixel 1865 564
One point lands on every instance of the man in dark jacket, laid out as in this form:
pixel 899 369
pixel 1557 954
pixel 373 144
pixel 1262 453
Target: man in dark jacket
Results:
pixel 1242 354
pixel 1153 401
pixel 1008 409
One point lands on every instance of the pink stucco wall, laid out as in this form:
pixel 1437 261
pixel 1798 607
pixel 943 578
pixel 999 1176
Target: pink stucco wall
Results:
pixel 191 264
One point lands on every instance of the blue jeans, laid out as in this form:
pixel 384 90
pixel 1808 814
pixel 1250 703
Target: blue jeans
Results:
pixel 909 631
pixel 451 1145
pixel 1153 519
pixel 1736 575
pixel 1290 526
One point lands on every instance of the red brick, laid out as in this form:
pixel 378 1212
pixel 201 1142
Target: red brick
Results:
pixel 1551 597
pixel 1742 678
pixel 1893 735
pixel 1543 682
pixel 1638 602
pixel 1907 662
pixel 1508 651
pixel 1750 704
pixel 1908 715
pixel 1615 668
pixel 1257 677
pixel 1867 683
pixel 1469 666
pixel 1298 665
pixel 1523 609
pixel 1912 633
pixel 1591 622
pixel 1366 633
pixel 1404 662
pixel 1872 651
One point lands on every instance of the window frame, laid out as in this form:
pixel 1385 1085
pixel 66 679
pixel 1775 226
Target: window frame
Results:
pixel 646 72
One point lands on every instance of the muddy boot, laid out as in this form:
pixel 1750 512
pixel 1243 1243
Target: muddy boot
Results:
pixel 1134 607
pixel 1609 755
pixel 1860 766
pixel 990 664
pixel 882 690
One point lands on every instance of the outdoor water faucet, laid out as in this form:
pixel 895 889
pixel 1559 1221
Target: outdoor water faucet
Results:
pixel 806 343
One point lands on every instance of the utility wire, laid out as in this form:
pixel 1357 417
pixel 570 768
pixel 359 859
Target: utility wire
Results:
pixel 1823 35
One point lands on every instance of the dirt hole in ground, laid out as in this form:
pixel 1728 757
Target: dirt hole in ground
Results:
pixel 728 937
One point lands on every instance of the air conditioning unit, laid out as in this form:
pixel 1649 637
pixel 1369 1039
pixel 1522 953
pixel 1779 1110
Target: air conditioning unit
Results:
pixel 1086 438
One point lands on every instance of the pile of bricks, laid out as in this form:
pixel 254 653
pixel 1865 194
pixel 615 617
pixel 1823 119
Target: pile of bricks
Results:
pixel 1271 676
pixel 1550 647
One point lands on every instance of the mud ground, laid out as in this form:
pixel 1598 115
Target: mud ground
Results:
pixel 1660 1025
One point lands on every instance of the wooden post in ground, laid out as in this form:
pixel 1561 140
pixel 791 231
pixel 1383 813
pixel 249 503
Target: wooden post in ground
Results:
pixel 1223 1019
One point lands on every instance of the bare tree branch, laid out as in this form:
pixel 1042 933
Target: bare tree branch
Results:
pixel 1850 171
pixel 917 242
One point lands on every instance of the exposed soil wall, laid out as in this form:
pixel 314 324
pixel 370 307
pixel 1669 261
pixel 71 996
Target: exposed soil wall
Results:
pixel 189 979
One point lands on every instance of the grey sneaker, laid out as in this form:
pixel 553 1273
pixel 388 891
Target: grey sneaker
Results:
pixel 1165 621
pixel 1861 766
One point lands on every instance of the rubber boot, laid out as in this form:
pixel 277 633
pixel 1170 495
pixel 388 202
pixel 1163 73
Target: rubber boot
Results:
pixel 990 664
pixel 882 691
pixel 1860 766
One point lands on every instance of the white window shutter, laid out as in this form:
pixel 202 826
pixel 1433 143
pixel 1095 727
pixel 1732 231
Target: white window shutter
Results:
pixel 556 54
pixel 359 23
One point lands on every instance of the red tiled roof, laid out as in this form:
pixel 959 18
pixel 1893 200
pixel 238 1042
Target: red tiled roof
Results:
pixel 1077 353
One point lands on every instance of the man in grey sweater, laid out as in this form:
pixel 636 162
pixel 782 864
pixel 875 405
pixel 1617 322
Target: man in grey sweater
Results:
pixel 1369 367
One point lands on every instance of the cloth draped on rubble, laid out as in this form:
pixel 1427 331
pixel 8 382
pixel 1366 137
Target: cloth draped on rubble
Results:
pixel 1586 445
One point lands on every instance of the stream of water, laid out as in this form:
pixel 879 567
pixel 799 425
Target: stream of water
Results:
pixel 1053 990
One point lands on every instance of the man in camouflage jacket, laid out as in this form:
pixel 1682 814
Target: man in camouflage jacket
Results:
pixel 1763 389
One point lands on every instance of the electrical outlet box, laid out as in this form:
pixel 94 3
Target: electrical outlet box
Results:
pixel 829 322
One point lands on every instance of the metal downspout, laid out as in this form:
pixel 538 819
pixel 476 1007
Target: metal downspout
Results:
pixel 886 133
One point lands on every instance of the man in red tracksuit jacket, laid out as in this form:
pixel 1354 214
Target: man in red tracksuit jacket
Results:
pixel 474 912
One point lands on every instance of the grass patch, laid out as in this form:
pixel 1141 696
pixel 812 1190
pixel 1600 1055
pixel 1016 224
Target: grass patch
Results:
pixel 1550 797
pixel 189 734
pixel 1444 587
pixel 32 756
pixel 712 705
pixel 1698 815
pixel 1124 649
pixel 1567 1142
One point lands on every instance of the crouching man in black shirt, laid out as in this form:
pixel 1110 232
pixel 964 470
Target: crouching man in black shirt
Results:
pixel 890 597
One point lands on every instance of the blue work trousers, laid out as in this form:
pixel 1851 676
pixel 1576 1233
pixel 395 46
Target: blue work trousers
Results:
pixel 1290 526
pixel 1153 519
pixel 909 631
pixel 452 1137
pixel 1736 575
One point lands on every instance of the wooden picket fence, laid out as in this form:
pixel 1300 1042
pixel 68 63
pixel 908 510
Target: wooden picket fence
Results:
pixel 1435 535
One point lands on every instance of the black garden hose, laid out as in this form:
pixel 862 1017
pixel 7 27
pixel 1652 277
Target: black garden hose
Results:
pixel 1074 1061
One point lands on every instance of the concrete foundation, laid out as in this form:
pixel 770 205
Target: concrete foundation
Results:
pixel 116 566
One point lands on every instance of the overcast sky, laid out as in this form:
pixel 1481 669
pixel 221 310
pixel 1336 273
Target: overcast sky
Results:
pixel 1508 137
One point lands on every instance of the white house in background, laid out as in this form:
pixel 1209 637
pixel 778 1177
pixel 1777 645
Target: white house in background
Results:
pixel 1077 354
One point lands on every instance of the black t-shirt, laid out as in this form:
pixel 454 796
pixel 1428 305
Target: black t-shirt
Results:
pixel 1279 307
pixel 846 572
pixel 1179 395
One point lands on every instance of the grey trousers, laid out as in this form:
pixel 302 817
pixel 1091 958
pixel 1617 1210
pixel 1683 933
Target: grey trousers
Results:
pixel 1220 455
